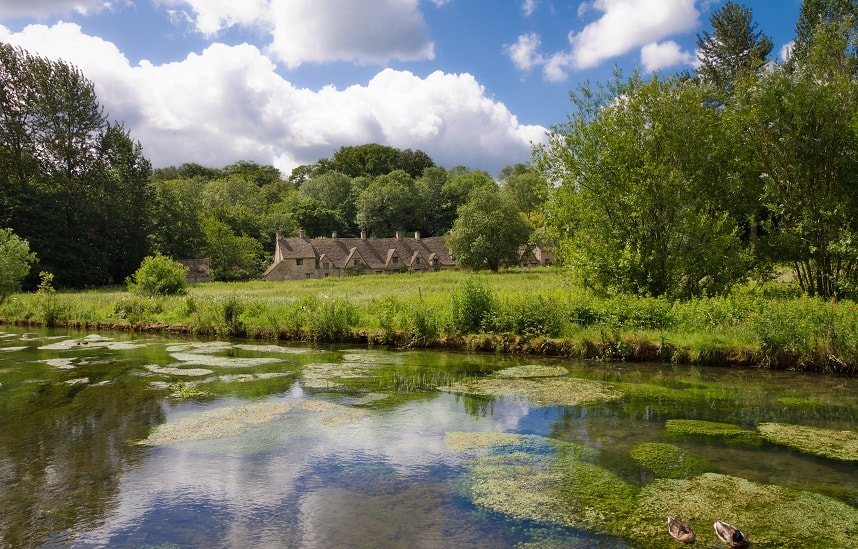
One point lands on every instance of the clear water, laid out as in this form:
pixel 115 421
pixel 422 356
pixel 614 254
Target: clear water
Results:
pixel 75 406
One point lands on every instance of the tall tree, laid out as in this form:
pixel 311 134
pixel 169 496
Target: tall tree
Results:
pixel 826 36
pixel 802 132
pixel 389 205
pixel 734 48
pixel 641 207
pixel 489 231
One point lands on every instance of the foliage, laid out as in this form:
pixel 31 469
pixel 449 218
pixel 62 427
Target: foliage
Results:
pixel 72 183
pixel 699 428
pixel 15 261
pixel 489 232
pixel 158 275
pixel 808 178
pixel 637 209
pixel 231 257
pixel 471 304
pixel 734 50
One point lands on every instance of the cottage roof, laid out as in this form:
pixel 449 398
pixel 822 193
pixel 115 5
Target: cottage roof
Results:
pixel 377 253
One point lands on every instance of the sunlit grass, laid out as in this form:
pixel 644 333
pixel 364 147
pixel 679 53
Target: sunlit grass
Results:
pixel 530 311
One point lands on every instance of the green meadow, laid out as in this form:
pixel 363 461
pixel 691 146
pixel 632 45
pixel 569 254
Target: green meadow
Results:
pixel 518 311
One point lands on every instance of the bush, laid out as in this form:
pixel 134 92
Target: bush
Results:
pixel 158 275
pixel 472 303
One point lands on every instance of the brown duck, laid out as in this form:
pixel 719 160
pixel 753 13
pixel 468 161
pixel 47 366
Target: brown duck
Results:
pixel 680 530
pixel 731 535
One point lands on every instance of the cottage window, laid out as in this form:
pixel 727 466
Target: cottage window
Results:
pixel 418 261
pixel 435 262
pixel 395 260
pixel 308 275
pixel 357 262
pixel 299 262
pixel 326 265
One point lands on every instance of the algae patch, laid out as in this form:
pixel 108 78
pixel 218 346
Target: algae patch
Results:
pixel 234 420
pixel 669 461
pixel 532 370
pixel 699 428
pixel 827 443
pixel 170 371
pixel 771 516
pixel 555 391
pixel 533 478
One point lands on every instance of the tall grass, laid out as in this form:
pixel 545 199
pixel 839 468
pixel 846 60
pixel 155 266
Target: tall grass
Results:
pixel 526 311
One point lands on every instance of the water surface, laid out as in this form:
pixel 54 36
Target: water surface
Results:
pixel 290 446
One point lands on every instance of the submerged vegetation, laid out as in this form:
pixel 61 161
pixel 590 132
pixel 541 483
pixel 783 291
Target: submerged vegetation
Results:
pixel 520 311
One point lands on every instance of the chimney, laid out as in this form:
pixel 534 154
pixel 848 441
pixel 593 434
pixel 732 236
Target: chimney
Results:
pixel 278 236
pixel 301 233
pixel 363 235
pixel 416 235
pixel 334 235
pixel 398 235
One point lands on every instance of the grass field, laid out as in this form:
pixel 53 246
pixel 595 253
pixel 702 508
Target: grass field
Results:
pixel 521 311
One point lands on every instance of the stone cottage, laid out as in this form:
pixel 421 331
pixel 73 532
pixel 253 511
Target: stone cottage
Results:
pixel 297 258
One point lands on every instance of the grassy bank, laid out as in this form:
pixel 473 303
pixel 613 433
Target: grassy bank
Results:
pixel 533 311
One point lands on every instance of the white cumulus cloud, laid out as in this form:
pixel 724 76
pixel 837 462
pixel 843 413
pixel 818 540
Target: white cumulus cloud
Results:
pixel 657 56
pixel 228 103
pixel 525 52
pixel 620 27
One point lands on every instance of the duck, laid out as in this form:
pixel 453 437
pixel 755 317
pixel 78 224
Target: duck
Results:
pixel 731 535
pixel 680 530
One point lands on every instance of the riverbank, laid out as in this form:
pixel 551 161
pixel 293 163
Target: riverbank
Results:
pixel 522 312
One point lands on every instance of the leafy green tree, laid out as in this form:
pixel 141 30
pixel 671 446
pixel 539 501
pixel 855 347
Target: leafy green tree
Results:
pixel 333 191
pixel 436 219
pixel 802 132
pixel 257 174
pixel 176 218
pixel 489 231
pixel 15 261
pixel 527 188
pixel 826 36
pixel 71 182
pixel 371 160
pixel 231 256
pixel 641 207
pixel 388 205
pixel 733 50
pixel 158 275
pixel 413 162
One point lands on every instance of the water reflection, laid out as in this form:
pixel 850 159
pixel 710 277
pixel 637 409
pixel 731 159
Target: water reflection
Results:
pixel 317 473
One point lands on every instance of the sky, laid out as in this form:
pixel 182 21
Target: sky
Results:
pixel 471 83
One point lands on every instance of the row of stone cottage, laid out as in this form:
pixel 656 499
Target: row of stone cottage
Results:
pixel 300 257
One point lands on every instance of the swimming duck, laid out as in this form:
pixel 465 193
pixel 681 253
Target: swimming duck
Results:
pixel 680 530
pixel 730 535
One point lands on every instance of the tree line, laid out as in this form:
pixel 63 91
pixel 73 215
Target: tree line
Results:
pixel 77 191
pixel 686 185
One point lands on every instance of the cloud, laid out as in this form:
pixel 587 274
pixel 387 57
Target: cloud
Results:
pixel 322 31
pixel 46 8
pixel 228 103
pixel 786 51
pixel 657 56
pixel 622 26
pixel 524 53
pixel 529 6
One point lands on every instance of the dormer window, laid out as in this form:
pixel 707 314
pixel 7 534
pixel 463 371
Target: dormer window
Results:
pixel 357 262
pixel 395 260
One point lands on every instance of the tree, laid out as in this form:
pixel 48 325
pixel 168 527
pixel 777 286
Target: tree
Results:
pixel 333 191
pixel 176 227
pixel 71 182
pixel 802 132
pixel 826 36
pixel 389 205
pixel 641 207
pixel 527 189
pixel 734 49
pixel 489 231
pixel 231 257
pixel 15 261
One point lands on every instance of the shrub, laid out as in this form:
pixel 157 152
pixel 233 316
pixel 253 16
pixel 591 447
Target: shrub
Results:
pixel 158 275
pixel 472 303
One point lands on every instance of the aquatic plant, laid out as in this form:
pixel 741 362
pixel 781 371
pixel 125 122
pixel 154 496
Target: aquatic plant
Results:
pixel 771 516
pixel 553 391
pixel 698 428
pixel 185 391
pixel 827 443
pixel 669 461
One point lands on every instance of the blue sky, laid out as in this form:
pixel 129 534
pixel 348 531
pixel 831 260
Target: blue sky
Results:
pixel 286 82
